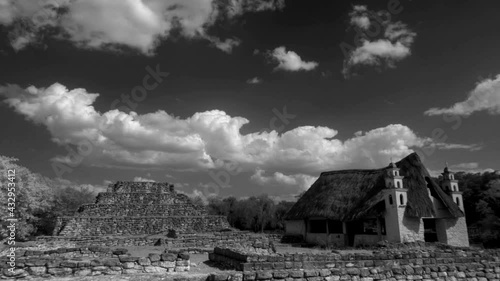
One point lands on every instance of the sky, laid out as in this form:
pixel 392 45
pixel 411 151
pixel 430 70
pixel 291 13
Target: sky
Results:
pixel 238 97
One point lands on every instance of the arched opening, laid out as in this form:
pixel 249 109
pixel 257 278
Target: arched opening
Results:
pixel 396 173
pixel 399 184
pixel 401 199
pixel 458 201
pixel 390 199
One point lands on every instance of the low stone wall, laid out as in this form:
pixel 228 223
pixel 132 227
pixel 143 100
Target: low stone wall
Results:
pixel 119 210
pixel 192 242
pixel 89 261
pixel 96 226
pixel 410 265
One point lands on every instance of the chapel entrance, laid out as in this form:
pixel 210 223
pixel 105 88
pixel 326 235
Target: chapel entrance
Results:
pixel 430 232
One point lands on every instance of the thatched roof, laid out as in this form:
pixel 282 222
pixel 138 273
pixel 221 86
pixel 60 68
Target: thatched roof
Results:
pixel 353 194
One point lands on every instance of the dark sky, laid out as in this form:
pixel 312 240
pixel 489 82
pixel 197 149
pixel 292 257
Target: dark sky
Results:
pixel 454 49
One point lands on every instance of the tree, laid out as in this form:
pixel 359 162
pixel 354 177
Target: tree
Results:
pixel 33 195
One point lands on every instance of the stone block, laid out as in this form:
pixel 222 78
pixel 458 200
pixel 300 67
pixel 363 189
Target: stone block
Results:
pixel 181 268
pixel 311 273
pixel 182 263
pixel 144 261
pixel 37 270
pixel 280 274
pixel 263 275
pixel 60 271
pixel 83 272
pixel 129 259
pixel 131 271
pixel 249 276
pixel 111 262
pixel 168 257
pixel 154 257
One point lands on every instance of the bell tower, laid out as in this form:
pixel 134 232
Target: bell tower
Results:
pixel 396 198
pixel 450 185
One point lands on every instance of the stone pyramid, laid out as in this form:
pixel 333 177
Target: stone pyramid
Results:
pixel 139 208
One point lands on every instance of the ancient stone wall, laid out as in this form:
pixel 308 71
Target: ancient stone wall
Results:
pixel 455 264
pixel 119 210
pixel 96 226
pixel 195 242
pixel 89 261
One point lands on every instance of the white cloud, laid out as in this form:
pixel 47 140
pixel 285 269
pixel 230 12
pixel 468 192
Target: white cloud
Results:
pixel 301 180
pixel 359 17
pixel 394 45
pixel 137 24
pixel 290 60
pixel 254 80
pixel 200 142
pixel 226 46
pixel 485 97
pixel 141 179
pixel 448 146
pixel 371 53
pixel 195 194
pixel 239 7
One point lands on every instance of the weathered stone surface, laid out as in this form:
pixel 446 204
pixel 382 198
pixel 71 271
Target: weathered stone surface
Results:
pixel 121 211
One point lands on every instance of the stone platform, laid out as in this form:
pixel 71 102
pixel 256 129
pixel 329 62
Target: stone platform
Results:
pixel 138 208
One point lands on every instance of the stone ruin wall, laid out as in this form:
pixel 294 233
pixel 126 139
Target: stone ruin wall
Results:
pixel 137 208
pixel 193 242
pixel 442 265
pixel 89 261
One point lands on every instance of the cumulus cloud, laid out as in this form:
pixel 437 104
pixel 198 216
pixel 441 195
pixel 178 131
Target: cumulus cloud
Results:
pixel 484 97
pixel 205 140
pixel 301 180
pixel 290 60
pixel 254 80
pixel 137 24
pixel 377 48
pixel 196 195
pixel 141 179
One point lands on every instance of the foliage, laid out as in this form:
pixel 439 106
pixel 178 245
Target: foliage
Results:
pixel 481 193
pixel 66 202
pixel 32 195
pixel 255 213
pixel 37 199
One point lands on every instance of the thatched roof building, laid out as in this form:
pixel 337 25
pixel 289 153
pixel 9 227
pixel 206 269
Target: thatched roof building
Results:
pixel 350 194
pixel 355 195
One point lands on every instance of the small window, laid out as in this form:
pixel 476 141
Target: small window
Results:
pixel 317 226
pixel 399 184
pixel 390 199
pixel 401 199
pixel 458 201
pixel 370 226
pixel 335 226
